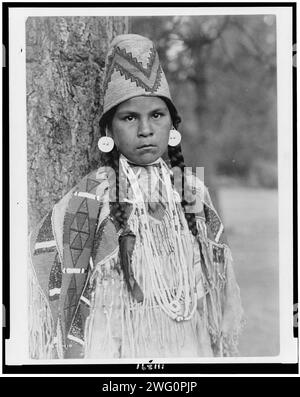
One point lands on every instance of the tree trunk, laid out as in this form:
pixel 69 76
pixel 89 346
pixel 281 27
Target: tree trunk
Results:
pixel 64 65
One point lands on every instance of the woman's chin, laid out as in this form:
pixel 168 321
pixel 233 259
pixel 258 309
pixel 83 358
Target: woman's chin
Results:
pixel 145 157
pixel 144 160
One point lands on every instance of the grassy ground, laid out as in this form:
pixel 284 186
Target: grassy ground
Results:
pixel 250 217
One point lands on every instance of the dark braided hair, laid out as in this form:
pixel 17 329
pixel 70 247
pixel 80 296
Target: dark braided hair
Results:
pixel 118 209
pixel 174 158
pixel 177 160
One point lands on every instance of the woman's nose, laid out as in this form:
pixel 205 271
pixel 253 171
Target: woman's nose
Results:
pixel 145 128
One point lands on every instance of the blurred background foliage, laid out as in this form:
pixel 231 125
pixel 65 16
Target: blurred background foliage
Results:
pixel 222 76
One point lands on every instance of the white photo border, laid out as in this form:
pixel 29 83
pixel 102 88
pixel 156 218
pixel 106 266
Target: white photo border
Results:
pixel 17 346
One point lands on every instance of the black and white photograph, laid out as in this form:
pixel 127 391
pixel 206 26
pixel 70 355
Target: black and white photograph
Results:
pixel 151 159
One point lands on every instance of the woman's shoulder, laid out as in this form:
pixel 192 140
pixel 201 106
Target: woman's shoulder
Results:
pixel 91 186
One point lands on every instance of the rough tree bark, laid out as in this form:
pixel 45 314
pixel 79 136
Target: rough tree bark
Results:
pixel 64 65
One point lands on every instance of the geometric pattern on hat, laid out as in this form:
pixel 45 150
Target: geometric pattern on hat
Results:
pixel 132 69
pixel 148 77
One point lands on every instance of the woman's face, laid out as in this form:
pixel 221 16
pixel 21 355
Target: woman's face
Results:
pixel 140 128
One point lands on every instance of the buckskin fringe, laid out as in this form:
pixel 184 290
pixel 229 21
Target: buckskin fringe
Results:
pixel 103 301
pixel 41 325
pixel 222 302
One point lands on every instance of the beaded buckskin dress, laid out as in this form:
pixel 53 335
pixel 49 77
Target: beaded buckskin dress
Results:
pixel 152 290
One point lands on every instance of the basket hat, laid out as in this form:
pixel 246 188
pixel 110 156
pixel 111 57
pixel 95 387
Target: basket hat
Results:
pixel 132 68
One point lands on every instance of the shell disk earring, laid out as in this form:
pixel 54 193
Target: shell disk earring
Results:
pixel 174 138
pixel 106 143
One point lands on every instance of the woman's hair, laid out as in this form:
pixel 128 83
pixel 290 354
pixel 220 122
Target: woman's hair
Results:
pixel 175 159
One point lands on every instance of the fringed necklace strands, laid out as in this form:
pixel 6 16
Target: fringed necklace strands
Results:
pixel 178 301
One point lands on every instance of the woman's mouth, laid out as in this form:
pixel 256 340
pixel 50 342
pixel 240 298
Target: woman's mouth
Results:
pixel 144 147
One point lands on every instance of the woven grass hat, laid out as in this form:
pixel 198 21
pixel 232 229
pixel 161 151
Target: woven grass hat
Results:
pixel 132 68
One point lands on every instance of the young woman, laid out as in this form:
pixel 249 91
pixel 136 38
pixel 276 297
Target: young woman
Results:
pixel 137 262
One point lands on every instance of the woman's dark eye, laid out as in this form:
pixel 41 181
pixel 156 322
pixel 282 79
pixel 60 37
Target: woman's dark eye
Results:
pixel 129 118
pixel 156 115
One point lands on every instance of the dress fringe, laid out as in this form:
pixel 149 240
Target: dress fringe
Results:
pixel 41 326
pixel 232 315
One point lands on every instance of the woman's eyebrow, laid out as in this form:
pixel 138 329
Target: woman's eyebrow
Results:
pixel 127 111
pixel 161 109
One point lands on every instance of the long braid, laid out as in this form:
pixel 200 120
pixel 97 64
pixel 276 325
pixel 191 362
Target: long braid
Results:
pixel 177 160
pixel 118 209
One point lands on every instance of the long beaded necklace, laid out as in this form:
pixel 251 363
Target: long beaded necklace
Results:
pixel 180 303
